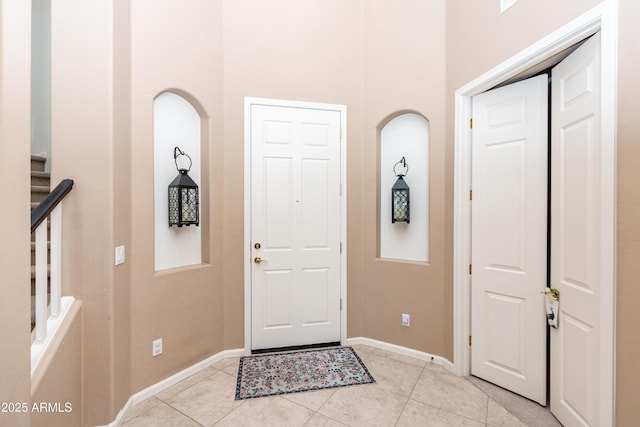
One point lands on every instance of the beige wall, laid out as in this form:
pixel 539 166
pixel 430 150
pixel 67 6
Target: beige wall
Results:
pixel 305 51
pixel 377 58
pixel 122 220
pixel 15 341
pixel 58 379
pixel 628 206
pixel 403 69
pixel 90 144
pixel 479 37
pixel 175 46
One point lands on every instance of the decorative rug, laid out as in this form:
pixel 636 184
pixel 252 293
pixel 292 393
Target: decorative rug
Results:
pixel 293 372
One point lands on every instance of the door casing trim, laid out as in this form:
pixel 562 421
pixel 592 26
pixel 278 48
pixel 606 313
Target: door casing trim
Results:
pixel 603 18
pixel 342 109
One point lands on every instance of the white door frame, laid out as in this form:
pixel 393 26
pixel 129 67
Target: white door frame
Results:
pixel 342 109
pixel 603 18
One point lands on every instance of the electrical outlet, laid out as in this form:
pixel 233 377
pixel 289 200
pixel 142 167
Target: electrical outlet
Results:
pixel 406 319
pixel 156 349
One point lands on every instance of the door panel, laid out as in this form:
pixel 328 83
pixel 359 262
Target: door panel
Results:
pixel 509 237
pixel 295 202
pixel 575 259
pixel 506 349
pixel 506 186
pixel 315 193
pixel 277 181
pixel 278 309
pixel 316 296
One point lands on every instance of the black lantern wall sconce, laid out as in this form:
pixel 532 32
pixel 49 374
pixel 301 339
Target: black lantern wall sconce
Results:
pixel 400 195
pixel 183 195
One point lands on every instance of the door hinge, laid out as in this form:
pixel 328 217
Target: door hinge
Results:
pixel 340 304
pixel 469 340
pixel 340 247
pixel 341 133
pixel 470 268
pixel 341 189
pixel 471 123
pixel 470 194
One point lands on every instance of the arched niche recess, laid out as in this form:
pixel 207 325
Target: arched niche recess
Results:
pixel 178 120
pixel 404 134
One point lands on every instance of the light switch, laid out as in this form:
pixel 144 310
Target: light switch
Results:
pixel 156 347
pixel 119 255
pixel 406 319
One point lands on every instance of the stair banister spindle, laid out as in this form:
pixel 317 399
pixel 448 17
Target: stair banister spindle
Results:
pixel 41 282
pixel 56 260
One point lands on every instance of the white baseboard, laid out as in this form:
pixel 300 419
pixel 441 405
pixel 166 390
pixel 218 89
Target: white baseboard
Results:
pixel 239 352
pixel 406 351
pixel 121 415
pixel 172 380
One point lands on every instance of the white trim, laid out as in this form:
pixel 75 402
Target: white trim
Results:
pixel 608 156
pixel 405 351
pixel 247 223
pixel 121 415
pixel 506 4
pixel 156 388
pixel 462 237
pixel 342 109
pixel 185 373
pixel 603 18
pixel 40 349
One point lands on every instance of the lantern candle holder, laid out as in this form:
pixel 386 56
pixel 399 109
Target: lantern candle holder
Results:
pixel 184 203
pixel 400 202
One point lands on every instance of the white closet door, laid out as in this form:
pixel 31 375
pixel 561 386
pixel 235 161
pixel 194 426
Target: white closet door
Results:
pixel 509 237
pixel 575 245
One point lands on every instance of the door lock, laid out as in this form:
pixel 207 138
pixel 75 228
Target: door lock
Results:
pixel 257 246
pixel 554 294
pixel 551 306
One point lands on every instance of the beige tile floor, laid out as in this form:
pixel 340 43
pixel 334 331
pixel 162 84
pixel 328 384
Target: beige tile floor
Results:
pixel 408 392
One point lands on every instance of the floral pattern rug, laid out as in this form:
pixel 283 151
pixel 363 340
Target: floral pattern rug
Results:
pixel 293 372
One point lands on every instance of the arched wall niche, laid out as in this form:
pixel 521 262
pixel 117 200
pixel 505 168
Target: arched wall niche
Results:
pixel 404 133
pixel 179 119
pixel 191 99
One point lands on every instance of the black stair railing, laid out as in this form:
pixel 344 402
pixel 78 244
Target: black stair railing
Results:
pixel 50 202
pixel 46 300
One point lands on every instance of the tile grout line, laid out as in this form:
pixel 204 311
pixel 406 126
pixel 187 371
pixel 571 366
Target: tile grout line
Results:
pixel 193 385
pixel 173 409
pixel 486 416
pixel 362 359
pixel 448 410
pixel 283 396
pixel 161 400
pixel 179 411
pixel 496 402
pixel 410 393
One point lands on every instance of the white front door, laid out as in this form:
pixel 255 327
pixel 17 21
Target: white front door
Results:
pixel 295 226
pixel 575 235
pixel 509 237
